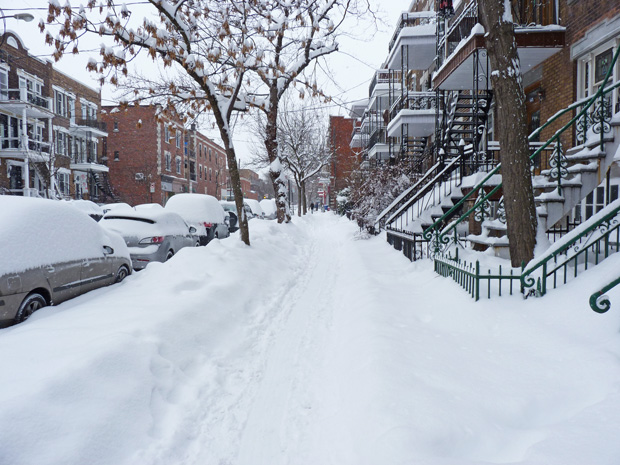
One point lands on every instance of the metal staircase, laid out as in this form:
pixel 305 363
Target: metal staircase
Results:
pixel 102 180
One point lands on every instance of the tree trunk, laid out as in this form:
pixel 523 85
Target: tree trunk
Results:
pixel 304 200
pixel 275 170
pixel 511 124
pixel 299 200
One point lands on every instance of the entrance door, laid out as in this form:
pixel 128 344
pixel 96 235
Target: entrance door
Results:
pixel 533 95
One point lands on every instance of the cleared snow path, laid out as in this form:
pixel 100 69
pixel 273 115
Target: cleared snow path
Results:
pixel 312 347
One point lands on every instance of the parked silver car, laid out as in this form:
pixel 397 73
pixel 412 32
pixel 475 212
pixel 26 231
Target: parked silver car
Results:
pixel 50 252
pixel 152 235
pixel 203 212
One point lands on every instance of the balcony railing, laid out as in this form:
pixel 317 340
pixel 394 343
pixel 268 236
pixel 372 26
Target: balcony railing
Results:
pixel 15 143
pixel 91 123
pixel 525 13
pixel 411 20
pixel 377 137
pixel 414 101
pixel 383 76
pixel 24 95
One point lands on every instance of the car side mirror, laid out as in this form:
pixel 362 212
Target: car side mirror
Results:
pixel 192 230
pixel 227 220
pixel 107 250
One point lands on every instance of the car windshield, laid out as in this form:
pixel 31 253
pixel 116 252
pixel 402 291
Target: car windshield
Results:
pixel 129 218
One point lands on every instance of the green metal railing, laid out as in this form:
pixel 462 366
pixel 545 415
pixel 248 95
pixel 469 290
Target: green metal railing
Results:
pixel 599 302
pixel 599 119
pixel 587 245
pixel 473 280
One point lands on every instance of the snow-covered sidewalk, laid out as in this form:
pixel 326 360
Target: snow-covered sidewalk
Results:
pixel 312 347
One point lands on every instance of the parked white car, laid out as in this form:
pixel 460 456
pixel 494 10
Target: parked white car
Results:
pixel 51 252
pixel 203 212
pixel 269 208
pixel 90 208
pixel 152 235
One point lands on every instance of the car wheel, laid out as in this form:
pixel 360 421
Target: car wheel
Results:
pixel 121 274
pixel 31 304
pixel 169 255
pixel 197 244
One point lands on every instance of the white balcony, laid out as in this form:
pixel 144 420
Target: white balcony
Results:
pixel 417 112
pixel 33 150
pixel 18 100
pixel 413 46
pixel 83 127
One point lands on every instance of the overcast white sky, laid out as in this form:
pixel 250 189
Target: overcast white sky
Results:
pixel 352 68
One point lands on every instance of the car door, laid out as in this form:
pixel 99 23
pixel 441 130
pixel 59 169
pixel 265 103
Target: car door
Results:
pixel 64 279
pixel 96 272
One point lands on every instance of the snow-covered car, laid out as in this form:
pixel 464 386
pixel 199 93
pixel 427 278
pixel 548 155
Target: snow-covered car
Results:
pixel 90 208
pixel 269 208
pixel 203 212
pixel 255 207
pixel 152 235
pixel 46 265
pixel 108 207
pixel 231 210
pixel 148 206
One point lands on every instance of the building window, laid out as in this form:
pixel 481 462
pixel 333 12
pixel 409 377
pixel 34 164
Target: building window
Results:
pixel 62 179
pixel 4 84
pixel 602 63
pixel 64 103
pixel 115 126
pixel 178 137
pixel 168 162
pixel 178 163
pixel 209 154
pixel 200 152
pixel 166 134
pixel 117 155
pixel 200 170
pixel 210 174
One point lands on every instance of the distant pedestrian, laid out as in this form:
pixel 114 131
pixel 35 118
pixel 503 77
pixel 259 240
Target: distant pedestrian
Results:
pixel 312 207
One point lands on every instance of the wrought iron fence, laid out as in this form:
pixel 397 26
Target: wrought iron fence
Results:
pixel 476 282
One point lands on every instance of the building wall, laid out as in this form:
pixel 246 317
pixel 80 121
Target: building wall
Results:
pixel 136 152
pixel 344 159
pixel 559 79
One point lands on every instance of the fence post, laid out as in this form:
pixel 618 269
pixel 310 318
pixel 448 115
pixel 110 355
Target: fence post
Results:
pixel 477 283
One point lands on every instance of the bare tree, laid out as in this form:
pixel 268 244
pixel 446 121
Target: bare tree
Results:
pixel 207 44
pixel 297 33
pixel 302 144
pixel 511 127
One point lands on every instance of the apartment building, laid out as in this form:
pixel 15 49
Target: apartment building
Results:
pixel 152 157
pixel 431 103
pixel 51 138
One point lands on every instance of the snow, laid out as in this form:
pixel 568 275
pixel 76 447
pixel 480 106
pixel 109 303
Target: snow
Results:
pixel 255 206
pixel 144 223
pixel 269 207
pixel 47 232
pixel 312 346
pixel 196 208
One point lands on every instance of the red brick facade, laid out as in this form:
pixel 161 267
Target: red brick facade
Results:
pixel 344 159
pixel 150 160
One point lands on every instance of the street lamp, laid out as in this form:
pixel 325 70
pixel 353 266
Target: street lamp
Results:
pixel 18 16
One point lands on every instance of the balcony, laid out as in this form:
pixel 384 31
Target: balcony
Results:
pixel 416 110
pixel 34 150
pixel 18 100
pixel 463 51
pixel 86 161
pixel 413 46
pixel 357 141
pixel 88 125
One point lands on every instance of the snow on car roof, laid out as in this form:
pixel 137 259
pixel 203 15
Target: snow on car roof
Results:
pixel 37 232
pixel 268 206
pixel 255 206
pixel 86 206
pixel 196 208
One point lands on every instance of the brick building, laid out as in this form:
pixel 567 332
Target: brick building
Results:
pixel 209 165
pixel 150 159
pixel 249 183
pixel 50 134
pixel 345 160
